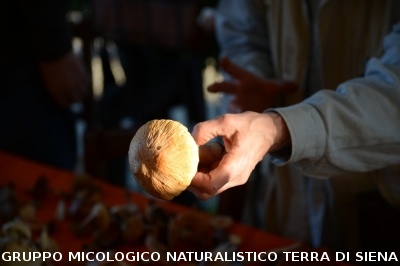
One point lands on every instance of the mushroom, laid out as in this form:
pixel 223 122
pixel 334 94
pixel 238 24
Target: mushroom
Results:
pixel 83 201
pixel 27 212
pixel 157 221
pixel 20 247
pixel 40 189
pixel 9 202
pixel 220 223
pixel 163 157
pixel 190 230
pixel 16 237
pixel 228 248
pixel 154 245
pixel 132 228
pixel 60 211
pixel 16 230
pixel 98 217
pixel 46 242
pixel 122 211
pixel 155 214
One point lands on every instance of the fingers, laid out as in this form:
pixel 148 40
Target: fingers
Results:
pixel 229 173
pixel 224 87
pixel 208 184
pixel 203 186
pixel 245 147
pixel 241 74
pixel 205 131
pixel 232 69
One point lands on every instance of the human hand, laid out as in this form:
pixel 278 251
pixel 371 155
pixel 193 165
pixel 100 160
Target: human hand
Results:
pixel 66 79
pixel 250 93
pixel 247 138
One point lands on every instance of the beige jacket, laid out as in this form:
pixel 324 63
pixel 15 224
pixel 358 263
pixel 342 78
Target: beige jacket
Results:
pixel 348 33
pixel 331 39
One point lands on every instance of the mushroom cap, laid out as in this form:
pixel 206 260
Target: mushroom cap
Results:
pixel 17 229
pixel 163 157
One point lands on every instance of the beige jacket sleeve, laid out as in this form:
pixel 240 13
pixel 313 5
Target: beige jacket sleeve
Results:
pixel 356 127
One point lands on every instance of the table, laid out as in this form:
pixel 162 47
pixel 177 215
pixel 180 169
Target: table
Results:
pixel 24 173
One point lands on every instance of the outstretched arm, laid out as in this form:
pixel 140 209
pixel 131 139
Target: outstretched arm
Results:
pixel 356 128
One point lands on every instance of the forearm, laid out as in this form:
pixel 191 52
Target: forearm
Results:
pixel 353 129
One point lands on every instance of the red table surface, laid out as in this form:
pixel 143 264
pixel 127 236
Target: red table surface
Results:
pixel 24 173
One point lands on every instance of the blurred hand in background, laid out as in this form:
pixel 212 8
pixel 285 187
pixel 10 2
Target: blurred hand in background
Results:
pixel 250 93
pixel 66 79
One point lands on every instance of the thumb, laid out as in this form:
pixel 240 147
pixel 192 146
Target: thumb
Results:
pixel 207 130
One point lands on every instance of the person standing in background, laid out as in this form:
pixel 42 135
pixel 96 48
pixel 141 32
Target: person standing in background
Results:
pixel 316 45
pixel 40 77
